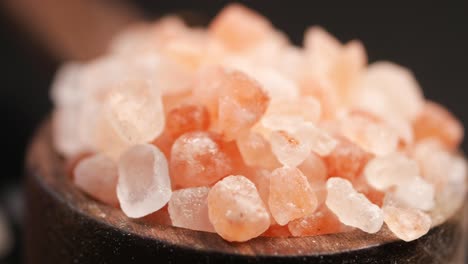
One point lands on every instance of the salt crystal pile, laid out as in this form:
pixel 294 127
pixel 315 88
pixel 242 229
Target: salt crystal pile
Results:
pixel 242 133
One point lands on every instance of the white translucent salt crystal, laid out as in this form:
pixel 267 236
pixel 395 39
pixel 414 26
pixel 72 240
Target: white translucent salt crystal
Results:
pixel 416 193
pixel 351 207
pixel 97 176
pixel 135 110
pixel 406 223
pixel 144 185
pixel 390 170
pixel 65 88
pixel 381 91
pixel 188 208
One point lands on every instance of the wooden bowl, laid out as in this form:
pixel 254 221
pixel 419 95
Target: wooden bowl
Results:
pixel 65 226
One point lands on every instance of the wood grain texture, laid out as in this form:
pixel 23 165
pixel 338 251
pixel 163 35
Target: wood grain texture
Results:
pixel 65 226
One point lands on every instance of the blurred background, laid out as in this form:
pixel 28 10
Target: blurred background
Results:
pixel 36 36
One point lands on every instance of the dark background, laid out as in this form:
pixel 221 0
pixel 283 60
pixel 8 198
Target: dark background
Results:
pixel 431 39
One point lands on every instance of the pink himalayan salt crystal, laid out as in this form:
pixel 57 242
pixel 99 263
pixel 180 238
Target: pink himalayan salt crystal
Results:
pixel 256 151
pixel 193 49
pixel 273 82
pixel 147 37
pixel 65 88
pixel 406 223
pixel 167 75
pixel 315 170
pixel 239 28
pixel 347 160
pixel 416 193
pixel 97 176
pixel 382 86
pixel 206 86
pixel 291 196
pixel 188 208
pixel 292 139
pixel 66 138
pixel 187 118
pixel 144 185
pixel 261 179
pixel 437 164
pixel 277 231
pixel 289 149
pixel 369 132
pixel 306 107
pixel 235 101
pixel 351 207
pixel 435 121
pixel 451 196
pixel 396 170
pixel 241 104
pixel 198 159
pixel 236 210
pixel 135 111
pixel 390 170
pixel 341 64
pixel 107 140
pixel 321 222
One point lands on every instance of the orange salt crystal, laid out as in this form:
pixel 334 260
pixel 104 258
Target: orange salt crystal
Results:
pixel 197 159
pixel 238 27
pixel 437 122
pixel 236 210
pixel 291 196
pixel 321 222
pixel 347 160
pixel 187 118
pixel 241 104
pixel 277 231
